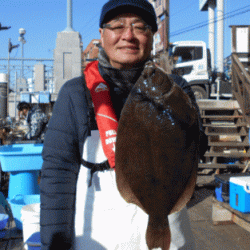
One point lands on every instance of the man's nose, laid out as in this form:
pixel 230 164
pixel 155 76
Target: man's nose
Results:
pixel 128 33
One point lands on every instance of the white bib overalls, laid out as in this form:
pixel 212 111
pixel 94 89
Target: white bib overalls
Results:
pixel 105 221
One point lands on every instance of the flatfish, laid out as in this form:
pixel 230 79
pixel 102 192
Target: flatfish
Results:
pixel 157 151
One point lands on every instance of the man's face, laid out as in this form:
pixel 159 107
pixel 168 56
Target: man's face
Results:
pixel 129 48
pixel 23 113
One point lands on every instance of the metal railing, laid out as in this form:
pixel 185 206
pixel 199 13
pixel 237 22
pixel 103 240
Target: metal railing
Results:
pixel 241 82
pixel 19 80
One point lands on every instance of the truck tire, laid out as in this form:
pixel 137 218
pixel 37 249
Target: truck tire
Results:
pixel 199 92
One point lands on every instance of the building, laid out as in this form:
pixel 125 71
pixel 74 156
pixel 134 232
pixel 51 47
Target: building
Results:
pixel 91 52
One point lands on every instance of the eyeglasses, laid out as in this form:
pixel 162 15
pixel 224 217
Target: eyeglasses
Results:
pixel 118 27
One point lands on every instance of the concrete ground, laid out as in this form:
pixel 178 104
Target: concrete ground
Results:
pixel 207 235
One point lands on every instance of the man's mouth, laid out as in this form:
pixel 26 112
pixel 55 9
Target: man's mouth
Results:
pixel 129 48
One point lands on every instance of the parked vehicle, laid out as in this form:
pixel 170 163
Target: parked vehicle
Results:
pixel 192 60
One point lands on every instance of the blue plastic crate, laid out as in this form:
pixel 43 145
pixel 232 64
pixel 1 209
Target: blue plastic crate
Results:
pixel 26 97
pixel 240 194
pixel 21 157
pixel 44 97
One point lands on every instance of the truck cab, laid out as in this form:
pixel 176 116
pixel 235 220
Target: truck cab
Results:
pixel 192 61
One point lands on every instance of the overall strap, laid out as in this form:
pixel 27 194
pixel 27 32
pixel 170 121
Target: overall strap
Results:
pixel 94 167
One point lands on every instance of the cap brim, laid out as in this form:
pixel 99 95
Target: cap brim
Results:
pixel 124 8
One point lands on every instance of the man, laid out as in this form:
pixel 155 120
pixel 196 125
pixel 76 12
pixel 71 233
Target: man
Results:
pixel 4 130
pixel 81 207
pixel 35 119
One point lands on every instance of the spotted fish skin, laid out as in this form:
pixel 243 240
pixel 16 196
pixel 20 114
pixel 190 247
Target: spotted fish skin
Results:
pixel 157 151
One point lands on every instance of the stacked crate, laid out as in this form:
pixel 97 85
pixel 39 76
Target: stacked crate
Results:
pixel 228 135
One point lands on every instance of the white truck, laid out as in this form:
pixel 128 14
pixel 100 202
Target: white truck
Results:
pixel 192 60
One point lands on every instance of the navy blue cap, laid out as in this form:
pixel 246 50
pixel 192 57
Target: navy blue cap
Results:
pixel 142 8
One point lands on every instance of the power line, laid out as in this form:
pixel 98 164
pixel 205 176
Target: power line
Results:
pixel 185 8
pixel 89 31
pixel 205 23
pixel 224 15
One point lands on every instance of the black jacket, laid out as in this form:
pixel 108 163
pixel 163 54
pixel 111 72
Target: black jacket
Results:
pixel 63 145
pixel 62 152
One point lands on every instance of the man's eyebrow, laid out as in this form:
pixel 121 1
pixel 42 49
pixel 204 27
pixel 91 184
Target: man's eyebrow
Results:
pixel 122 18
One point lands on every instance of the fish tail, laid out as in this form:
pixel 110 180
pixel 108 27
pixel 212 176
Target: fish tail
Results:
pixel 158 234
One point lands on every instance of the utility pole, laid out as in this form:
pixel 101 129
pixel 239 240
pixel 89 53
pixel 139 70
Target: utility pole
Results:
pixel 167 25
pixel 161 38
pixel 167 64
pixel 10 48
pixel 220 36
pixel 22 32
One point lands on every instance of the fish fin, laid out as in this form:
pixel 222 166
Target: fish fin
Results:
pixel 187 194
pixel 158 234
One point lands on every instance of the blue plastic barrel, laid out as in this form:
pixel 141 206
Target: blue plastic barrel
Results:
pixel 24 183
pixel 34 242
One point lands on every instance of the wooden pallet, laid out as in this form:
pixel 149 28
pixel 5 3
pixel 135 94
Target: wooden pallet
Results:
pixel 228 135
pixel 223 213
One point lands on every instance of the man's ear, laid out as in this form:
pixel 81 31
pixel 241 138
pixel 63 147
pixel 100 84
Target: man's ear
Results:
pixel 101 34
